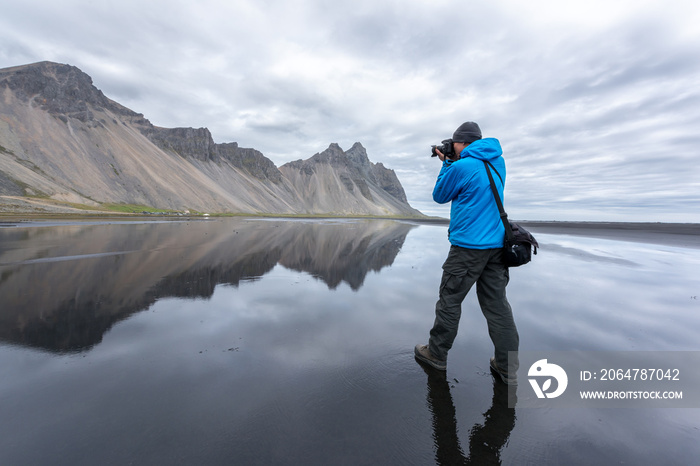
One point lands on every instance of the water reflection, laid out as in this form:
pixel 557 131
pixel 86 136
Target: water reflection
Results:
pixel 486 440
pixel 63 287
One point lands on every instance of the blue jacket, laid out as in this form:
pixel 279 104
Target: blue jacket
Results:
pixel 475 222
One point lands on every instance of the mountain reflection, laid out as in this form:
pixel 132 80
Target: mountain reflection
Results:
pixel 62 287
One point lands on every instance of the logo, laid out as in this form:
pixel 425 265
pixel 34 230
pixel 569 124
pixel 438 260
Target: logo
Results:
pixel 543 370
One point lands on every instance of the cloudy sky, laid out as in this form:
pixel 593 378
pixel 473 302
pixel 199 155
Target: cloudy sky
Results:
pixel 596 103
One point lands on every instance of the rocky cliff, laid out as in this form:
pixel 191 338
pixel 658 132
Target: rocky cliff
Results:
pixel 337 178
pixel 61 138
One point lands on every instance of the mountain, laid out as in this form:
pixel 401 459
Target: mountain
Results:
pixel 336 178
pixel 62 139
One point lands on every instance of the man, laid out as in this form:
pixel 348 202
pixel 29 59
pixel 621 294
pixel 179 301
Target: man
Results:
pixel 476 233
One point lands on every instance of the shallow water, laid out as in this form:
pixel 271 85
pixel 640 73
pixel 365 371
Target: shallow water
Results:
pixel 250 341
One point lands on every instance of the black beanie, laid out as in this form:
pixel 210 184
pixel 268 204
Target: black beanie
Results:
pixel 468 132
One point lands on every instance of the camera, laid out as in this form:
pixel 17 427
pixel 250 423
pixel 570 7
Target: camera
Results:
pixel 446 148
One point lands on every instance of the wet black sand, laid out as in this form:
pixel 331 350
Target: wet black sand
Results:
pixel 236 341
pixel 675 234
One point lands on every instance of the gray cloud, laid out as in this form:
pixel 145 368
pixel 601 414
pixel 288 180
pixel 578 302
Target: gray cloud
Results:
pixel 595 103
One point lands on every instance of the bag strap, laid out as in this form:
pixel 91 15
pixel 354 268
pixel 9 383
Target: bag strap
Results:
pixel 504 215
pixel 494 169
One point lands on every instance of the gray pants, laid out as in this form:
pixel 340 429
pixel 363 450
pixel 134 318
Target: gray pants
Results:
pixel 461 270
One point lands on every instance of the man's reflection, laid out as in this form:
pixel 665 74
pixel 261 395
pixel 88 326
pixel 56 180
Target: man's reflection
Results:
pixel 485 440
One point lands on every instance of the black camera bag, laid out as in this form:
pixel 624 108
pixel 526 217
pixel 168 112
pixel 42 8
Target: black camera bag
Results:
pixel 519 244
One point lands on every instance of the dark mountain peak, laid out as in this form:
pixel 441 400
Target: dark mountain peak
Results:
pixel 62 90
pixel 250 160
pixel 37 78
pixel 358 159
pixel 333 153
pixel 355 158
pixel 389 182
pixel 186 142
pixel 354 163
pixel 358 153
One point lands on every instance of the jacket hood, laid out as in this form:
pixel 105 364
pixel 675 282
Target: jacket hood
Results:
pixel 483 149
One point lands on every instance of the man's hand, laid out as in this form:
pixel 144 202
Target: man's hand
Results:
pixel 440 155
